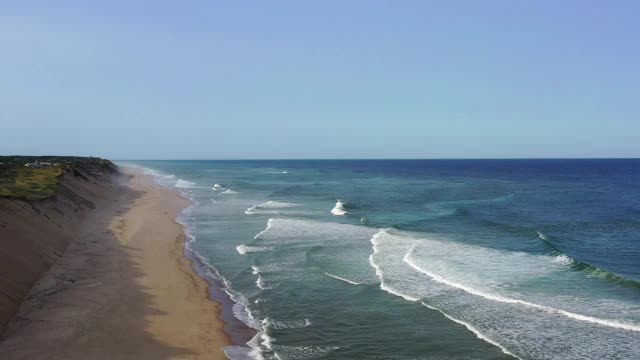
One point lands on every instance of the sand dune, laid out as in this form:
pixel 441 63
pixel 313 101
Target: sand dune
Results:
pixel 121 290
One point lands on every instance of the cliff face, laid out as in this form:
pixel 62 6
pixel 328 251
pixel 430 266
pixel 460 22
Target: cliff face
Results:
pixel 34 234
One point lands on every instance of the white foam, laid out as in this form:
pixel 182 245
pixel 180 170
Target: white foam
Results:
pixel 244 249
pixel 261 284
pixel 268 207
pixel 255 270
pixel 375 241
pixel 473 330
pixel 339 210
pixel 541 331
pixel 267 340
pixel 560 258
pixel 542 236
pixel 286 352
pixel 242 353
pixel 343 279
pixel 269 224
pixel 563 259
pixel 240 308
pixel 494 297
pixel 256 341
pixel 217 187
pixel 184 184
pixel 346 247
pixel 265 284
pixel 291 324
pixel 228 192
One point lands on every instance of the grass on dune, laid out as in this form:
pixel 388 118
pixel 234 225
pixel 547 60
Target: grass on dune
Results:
pixel 29 183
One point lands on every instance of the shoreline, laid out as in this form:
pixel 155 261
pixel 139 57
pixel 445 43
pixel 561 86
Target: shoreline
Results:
pixel 213 339
pixel 238 333
pixel 125 288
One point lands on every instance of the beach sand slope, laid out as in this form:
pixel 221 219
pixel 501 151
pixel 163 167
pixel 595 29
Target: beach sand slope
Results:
pixel 122 290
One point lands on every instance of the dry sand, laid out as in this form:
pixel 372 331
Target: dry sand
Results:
pixel 122 290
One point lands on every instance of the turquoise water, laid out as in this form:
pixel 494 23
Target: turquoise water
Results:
pixel 440 259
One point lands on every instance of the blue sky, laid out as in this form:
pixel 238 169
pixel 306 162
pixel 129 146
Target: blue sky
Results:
pixel 322 79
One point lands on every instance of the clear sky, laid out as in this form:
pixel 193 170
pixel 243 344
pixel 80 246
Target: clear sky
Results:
pixel 320 79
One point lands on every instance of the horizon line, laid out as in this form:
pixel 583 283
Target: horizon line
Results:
pixel 373 159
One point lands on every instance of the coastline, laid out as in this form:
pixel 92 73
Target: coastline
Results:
pixel 124 289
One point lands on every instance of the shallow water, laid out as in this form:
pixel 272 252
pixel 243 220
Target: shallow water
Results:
pixel 413 259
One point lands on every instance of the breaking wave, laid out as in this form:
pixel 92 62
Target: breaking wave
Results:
pixel 408 258
pixel 291 324
pixel 343 279
pixel 244 249
pixel 268 207
pixel 339 210
pixel 468 284
pixel 184 184
pixel 471 328
pixel 585 267
pixel 241 309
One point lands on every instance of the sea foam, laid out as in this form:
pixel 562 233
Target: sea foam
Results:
pixel 494 297
pixel 468 285
pixel 269 207
pixel 244 249
pixel 473 330
pixel 343 279
pixel 184 184
pixel 338 209
pixel 290 324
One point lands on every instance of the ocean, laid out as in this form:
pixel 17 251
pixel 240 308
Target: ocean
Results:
pixel 417 259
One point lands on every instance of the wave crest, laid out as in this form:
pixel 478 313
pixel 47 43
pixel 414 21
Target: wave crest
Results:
pixel 499 298
pixel 243 249
pixel 339 210
pixel 343 279
pixel 579 265
pixel 184 184
pixel 268 207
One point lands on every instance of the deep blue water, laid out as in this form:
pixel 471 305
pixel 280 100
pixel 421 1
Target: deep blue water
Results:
pixel 421 259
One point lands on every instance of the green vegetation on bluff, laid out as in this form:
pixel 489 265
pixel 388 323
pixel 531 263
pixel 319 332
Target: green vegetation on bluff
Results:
pixel 36 177
pixel 29 183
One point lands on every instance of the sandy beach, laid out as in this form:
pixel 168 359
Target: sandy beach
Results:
pixel 122 290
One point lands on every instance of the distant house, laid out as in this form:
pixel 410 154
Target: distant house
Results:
pixel 38 164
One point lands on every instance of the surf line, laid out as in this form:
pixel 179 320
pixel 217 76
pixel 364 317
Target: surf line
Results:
pixel 506 300
pixel 343 279
pixel 388 289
